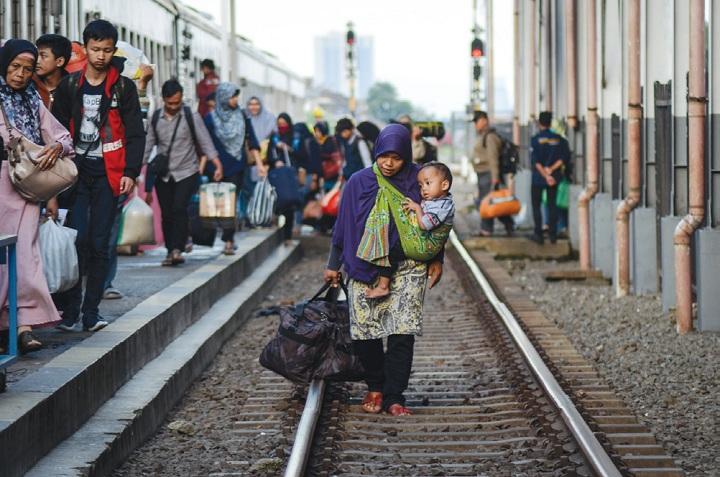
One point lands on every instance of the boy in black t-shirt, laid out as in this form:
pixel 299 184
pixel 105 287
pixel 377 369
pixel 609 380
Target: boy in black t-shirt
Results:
pixel 101 109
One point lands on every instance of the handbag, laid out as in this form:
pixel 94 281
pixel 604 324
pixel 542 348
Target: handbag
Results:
pixel 32 183
pixel 262 204
pixel 313 341
pixel 499 203
pixel 160 165
pixel 330 202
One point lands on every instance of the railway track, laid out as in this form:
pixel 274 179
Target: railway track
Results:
pixel 484 403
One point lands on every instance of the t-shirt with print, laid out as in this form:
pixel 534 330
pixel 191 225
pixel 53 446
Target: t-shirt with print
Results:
pixel 89 146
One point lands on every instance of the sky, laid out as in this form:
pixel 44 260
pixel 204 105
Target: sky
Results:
pixel 421 46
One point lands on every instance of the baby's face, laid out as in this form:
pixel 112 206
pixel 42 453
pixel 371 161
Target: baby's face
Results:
pixel 432 184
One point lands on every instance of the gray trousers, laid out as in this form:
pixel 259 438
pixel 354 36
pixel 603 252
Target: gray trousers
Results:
pixel 485 185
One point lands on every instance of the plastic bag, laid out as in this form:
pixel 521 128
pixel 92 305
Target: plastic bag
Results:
pixel 136 224
pixel 218 204
pixel 262 203
pixel 59 256
pixel 331 201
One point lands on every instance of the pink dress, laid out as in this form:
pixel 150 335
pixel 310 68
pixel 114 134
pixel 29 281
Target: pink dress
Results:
pixel 22 218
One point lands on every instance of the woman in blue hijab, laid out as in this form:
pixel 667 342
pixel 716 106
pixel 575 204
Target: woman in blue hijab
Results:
pixel 398 317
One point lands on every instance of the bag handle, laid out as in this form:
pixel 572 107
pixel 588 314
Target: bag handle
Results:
pixel 330 291
pixel 9 126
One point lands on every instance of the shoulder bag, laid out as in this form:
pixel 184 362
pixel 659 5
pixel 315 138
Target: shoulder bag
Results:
pixel 160 165
pixel 32 183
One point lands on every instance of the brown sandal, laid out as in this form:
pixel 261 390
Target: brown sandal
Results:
pixel 27 343
pixel 399 410
pixel 168 262
pixel 372 404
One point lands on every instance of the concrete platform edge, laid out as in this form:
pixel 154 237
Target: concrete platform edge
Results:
pixel 43 409
pixel 122 431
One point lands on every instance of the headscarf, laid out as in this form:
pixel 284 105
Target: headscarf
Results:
pixel 229 123
pixel 264 123
pixel 286 117
pixel 21 106
pixel 359 198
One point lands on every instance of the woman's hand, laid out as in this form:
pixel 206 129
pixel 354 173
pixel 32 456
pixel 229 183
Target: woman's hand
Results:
pixel 332 277
pixel 434 271
pixel 49 156
pixel 51 208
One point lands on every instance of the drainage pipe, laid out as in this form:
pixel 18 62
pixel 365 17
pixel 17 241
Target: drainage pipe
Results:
pixel 591 139
pixel 570 54
pixel 547 59
pixel 635 115
pixel 533 60
pixel 696 169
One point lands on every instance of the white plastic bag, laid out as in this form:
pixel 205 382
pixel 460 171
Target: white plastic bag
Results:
pixel 59 256
pixel 218 204
pixel 262 204
pixel 136 224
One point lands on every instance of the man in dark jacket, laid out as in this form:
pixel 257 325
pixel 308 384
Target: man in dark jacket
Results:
pixel 101 110
pixel 550 152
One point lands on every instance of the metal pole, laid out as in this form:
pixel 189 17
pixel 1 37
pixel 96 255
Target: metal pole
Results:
pixel 697 101
pixel 591 138
pixel 570 49
pixel 517 91
pixel 490 76
pixel 233 76
pixel 306 430
pixel 533 63
pixel 634 127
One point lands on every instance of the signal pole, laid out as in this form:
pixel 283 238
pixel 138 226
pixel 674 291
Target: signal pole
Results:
pixel 477 51
pixel 350 61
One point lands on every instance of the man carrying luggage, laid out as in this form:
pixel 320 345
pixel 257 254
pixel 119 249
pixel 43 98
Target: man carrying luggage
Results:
pixel 181 137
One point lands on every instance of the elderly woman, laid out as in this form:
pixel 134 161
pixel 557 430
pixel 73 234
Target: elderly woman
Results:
pixel 398 317
pixel 26 114
pixel 232 134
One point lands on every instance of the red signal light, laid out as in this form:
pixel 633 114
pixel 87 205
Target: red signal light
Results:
pixel 477 49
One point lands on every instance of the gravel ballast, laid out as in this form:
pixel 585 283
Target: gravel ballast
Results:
pixel 672 382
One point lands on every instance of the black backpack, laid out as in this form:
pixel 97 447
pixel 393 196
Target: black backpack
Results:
pixel 509 154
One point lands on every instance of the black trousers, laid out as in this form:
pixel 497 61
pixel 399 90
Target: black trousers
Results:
pixel 536 192
pixel 389 371
pixel 289 214
pixel 228 234
pixel 174 198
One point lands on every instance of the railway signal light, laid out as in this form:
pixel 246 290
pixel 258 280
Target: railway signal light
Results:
pixel 477 48
pixel 477 72
pixel 350 38
pixel 185 53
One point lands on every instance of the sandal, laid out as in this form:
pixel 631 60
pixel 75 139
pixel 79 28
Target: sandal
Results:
pixel 176 257
pixel 372 404
pixel 27 343
pixel 399 410
pixel 229 249
pixel 168 262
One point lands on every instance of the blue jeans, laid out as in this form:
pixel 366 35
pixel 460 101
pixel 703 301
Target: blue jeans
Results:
pixel 93 216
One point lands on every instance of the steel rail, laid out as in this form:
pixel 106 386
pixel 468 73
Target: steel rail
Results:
pixel 306 430
pixel 590 446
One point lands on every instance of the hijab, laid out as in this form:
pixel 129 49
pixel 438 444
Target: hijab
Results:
pixel 229 123
pixel 288 120
pixel 22 107
pixel 264 123
pixel 358 199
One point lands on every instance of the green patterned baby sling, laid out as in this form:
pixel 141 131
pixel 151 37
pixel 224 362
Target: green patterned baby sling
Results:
pixel 417 244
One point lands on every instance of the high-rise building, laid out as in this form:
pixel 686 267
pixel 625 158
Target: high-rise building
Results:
pixel 331 65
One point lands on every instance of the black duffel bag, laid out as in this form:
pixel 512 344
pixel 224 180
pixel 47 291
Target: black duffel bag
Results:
pixel 313 341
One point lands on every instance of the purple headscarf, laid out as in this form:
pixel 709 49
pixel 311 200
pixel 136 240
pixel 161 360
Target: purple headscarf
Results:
pixel 359 196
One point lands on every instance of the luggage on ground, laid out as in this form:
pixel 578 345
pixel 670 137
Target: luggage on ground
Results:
pixel 200 235
pixel 136 224
pixel 218 205
pixel 313 341
pixel 499 203
pixel 59 256
pixel 262 204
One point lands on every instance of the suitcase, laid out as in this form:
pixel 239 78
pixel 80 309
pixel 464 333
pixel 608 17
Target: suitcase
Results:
pixel 499 203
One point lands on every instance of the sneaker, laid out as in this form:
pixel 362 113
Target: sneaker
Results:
pixel 67 327
pixel 112 293
pixel 538 239
pixel 99 325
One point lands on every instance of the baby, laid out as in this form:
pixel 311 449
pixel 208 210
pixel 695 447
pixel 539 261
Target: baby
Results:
pixel 437 208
